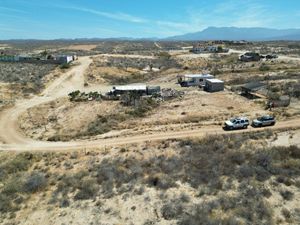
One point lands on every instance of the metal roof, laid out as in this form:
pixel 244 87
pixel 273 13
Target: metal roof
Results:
pixel 214 81
pixel 253 86
pixel 198 76
pixel 131 87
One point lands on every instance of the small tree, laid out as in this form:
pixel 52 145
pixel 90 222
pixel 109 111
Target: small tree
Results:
pixel 74 94
pixel 44 53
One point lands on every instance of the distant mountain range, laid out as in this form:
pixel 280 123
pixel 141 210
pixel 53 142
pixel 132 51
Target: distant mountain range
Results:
pixel 210 33
pixel 235 33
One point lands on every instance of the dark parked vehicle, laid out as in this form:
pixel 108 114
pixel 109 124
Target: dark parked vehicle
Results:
pixel 268 57
pixel 264 121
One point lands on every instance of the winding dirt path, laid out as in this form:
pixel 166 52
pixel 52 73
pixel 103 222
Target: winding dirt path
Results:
pixel 14 140
pixel 66 83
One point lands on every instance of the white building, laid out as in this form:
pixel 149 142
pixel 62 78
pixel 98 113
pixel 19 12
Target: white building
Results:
pixel 189 80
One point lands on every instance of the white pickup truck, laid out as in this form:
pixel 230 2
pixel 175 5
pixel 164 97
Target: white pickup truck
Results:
pixel 236 123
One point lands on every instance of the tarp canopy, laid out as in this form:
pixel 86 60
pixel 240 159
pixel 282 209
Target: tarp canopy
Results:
pixel 253 86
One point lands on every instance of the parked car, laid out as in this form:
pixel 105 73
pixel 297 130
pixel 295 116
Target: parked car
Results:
pixel 264 121
pixel 271 57
pixel 236 123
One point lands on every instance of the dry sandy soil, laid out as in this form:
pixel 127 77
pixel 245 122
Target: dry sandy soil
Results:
pixel 62 117
pixel 152 170
pixel 197 111
pixel 232 179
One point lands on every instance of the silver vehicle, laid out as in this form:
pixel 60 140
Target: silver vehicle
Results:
pixel 237 123
pixel 264 121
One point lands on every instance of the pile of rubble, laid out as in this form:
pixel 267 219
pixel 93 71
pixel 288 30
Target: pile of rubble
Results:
pixel 169 93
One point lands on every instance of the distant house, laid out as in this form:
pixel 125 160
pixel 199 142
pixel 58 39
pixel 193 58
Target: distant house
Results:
pixel 190 80
pixel 198 49
pixel 214 85
pixel 250 57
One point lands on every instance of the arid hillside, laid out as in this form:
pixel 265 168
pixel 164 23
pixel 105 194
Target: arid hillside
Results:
pixel 231 179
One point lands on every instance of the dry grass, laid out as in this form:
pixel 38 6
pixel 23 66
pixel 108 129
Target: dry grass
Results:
pixel 215 180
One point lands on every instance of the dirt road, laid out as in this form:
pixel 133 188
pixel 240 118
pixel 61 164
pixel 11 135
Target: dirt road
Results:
pixel 66 83
pixel 13 139
pixel 32 145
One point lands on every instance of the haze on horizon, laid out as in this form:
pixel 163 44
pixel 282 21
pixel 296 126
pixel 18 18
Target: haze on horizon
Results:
pixel 26 19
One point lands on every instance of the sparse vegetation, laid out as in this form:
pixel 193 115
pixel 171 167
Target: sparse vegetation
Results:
pixel 232 179
pixel 28 76
pixel 65 66
pixel 212 167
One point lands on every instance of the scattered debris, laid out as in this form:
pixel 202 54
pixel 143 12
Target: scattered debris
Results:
pixel 169 93
pixel 77 96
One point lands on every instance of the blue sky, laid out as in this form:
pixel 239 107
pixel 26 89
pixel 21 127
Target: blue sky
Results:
pixel 138 18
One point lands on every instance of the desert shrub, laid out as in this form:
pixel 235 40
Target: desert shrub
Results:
pixel 19 163
pixel 237 157
pixel 245 171
pixel 264 68
pixel 28 76
pixel 145 106
pixel 35 182
pixel 294 151
pixel 65 66
pixel 286 213
pixel 287 195
pixel 184 197
pixel 70 182
pixel 161 181
pixel 5 204
pixel 262 174
pixel 87 189
pixel 103 124
pixel 202 215
pixel 171 210
pixel 128 79
pixel 12 186
pixel 64 203
pixel 285 180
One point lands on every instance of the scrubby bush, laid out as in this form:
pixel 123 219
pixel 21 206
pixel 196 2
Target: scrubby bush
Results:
pixel 19 163
pixel 287 195
pixel 28 76
pixel 144 106
pixel 65 66
pixel 171 210
pixel 5 204
pixel 264 67
pixel 35 182
pixel 87 189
